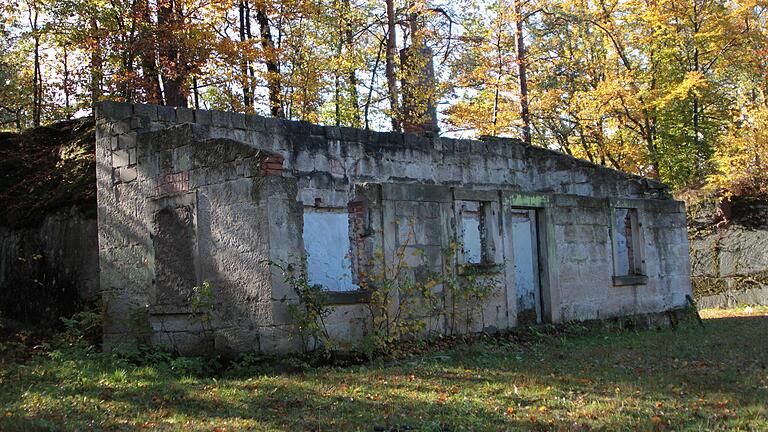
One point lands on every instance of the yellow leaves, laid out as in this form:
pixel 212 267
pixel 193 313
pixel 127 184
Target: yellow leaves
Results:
pixel 693 83
pixel 741 157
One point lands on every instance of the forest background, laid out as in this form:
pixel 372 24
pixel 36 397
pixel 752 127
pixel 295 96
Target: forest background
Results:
pixel 670 89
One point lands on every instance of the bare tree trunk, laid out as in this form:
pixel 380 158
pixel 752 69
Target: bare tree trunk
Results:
pixel 390 66
pixel 521 69
pixel 375 68
pixel 337 69
pixel 173 78
pixel 149 60
pixel 65 80
pixel 195 93
pixel 96 64
pixel 37 81
pixel 696 103
pixel 696 68
pixel 351 75
pixel 249 36
pixel 337 94
pixel 244 78
pixel 273 67
pixel 499 71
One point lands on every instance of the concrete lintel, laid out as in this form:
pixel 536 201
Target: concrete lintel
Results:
pixel 626 202
pixel 526 200
pixel 630 280
pixel 465 194
pixel 346 297
pixel 415 192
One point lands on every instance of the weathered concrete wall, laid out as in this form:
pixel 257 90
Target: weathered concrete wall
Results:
pixel 46 270
pixel 729 267
pixel 729 251
pixel 586 267
pixel 233 188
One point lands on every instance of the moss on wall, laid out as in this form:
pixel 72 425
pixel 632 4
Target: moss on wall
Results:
pixel 45 169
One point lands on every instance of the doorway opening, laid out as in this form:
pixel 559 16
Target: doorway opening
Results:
pixel 525 250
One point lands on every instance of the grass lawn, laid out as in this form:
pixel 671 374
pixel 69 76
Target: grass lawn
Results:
pixel 688 378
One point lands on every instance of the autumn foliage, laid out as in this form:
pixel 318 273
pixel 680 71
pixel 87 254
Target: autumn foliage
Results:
pixel 669 89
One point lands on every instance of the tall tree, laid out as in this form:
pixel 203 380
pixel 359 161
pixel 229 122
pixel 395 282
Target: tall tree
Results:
pixel 522 75
pixel 391 54
pixel 271 62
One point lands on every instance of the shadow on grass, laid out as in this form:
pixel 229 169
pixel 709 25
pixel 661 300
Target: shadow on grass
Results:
pixel 684 378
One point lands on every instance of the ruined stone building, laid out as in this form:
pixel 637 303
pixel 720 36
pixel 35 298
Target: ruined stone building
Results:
pixel 190 198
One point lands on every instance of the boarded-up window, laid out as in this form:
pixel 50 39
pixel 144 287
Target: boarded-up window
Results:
pixel 627 242
pixel 326 242
pixel 174 243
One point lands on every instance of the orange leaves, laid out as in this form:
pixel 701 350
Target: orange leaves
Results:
pixel 657 422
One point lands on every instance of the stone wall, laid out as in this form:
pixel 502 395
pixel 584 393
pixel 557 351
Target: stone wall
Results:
pixel 224 193
pixel 730 267
pixel 47 270
pixel 729 251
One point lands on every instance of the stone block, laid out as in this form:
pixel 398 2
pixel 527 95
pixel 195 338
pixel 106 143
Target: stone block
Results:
pixel 184 322
pixel 221 119
pixel 127 174
pixel 185 343
pixel 166 114
pixel 230 342
pixel 111 110
pixel 254 122
pixel 185 115
pixel 579 234
pixel 122 126
pixel 203 117
pixel 149 111
pixel 279 340
pixel 275 126
pixel 333 132
pixel 238 120
pixel 126 141
pixel 120 158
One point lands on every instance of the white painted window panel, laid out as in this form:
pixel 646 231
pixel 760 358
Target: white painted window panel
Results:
pixel 622 247
pixel 326 241
pixel 470 225
pixel 525 277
